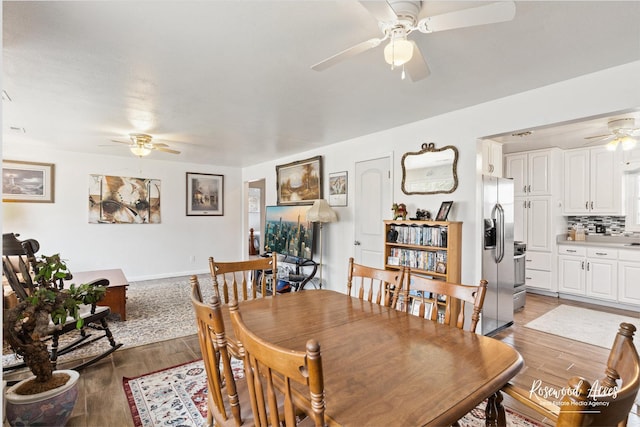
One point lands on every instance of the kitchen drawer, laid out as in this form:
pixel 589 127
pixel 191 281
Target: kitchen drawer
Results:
pixel 538 279
pixel 572 250
pixel 629 255
pixel 538 260
pixel 604 253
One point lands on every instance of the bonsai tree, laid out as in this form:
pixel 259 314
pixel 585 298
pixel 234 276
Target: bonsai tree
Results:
pixel 27 323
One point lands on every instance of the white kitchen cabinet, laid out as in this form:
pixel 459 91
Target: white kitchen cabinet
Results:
pixel 591 272
pixel 538 273
pixel 532 218
pixel 592 182
pixel 628 274
pixel 532 172
pixel 492 158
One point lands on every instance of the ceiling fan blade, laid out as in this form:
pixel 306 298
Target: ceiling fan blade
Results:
pixel 347 53
pixel 121 142
pixel 166 150
pixel 599 136
pixel 488 14
pixel 417 67
pixel 159 144
pixel 381 10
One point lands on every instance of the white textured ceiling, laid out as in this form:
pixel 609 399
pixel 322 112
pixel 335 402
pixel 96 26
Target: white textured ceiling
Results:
pixel 229 82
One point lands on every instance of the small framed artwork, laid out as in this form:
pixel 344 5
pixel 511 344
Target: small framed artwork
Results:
pixel 205 194
pixel 443 212
pixel 441 267
pixel 299 183
pixel 338 188
pixel 27 182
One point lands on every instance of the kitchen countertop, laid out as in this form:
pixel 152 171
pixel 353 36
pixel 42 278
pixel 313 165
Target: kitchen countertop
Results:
pixel 620 242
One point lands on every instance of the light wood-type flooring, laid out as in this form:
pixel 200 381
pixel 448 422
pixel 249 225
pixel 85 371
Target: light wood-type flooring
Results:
pixel 548 358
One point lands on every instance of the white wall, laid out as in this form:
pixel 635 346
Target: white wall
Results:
pixel 610 90
pixel 163 250
pixel 143 251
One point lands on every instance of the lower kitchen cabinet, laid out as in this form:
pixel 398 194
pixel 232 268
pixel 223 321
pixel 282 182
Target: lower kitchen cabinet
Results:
pixel 591 272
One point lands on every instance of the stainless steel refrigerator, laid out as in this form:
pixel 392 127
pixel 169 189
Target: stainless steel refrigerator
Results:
pixel 497 253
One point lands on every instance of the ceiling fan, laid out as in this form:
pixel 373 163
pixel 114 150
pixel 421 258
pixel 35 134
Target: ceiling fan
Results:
pixel 141 145
pixel 622 132
pixel 399 18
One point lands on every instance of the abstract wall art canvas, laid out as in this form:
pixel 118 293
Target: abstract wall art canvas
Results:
pixel 123 200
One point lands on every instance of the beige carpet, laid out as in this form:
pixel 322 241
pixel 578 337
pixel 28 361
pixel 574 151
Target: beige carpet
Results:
pixel 580 324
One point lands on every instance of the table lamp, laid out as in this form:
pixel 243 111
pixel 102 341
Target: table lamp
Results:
pixel 321 212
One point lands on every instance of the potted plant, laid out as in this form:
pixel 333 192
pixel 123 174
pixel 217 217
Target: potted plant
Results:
pixel 24 327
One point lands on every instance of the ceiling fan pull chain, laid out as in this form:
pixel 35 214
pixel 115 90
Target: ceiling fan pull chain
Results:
pixel 403 75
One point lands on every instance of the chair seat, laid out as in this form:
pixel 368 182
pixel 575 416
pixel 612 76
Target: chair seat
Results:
pixel 85 313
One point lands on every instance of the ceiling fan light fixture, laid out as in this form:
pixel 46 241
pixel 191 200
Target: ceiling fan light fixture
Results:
pixel 398 52
pixel 628 143
pixel 140 150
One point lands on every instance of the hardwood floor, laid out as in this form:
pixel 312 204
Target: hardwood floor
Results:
pixel 549 358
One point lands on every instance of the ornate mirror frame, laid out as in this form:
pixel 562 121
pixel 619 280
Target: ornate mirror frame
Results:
pixel 426 149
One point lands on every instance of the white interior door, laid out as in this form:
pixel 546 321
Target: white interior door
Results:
pixel 373 187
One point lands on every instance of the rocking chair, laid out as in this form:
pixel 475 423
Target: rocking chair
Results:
pixel 19 267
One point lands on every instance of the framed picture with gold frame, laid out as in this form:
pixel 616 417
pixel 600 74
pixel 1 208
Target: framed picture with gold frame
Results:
pixel 299 183
pixel 27 182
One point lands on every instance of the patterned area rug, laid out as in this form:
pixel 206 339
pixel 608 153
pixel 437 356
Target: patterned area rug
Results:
pixel 157 310
pixel 177 396
pixel 580 324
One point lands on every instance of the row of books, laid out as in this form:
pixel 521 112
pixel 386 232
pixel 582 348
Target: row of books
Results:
pixel 419 235
pixel 423 260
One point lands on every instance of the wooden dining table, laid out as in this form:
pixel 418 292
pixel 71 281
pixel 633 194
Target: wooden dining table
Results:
pixel 383 367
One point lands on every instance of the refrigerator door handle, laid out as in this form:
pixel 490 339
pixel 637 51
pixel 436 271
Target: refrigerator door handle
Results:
pixel 497 213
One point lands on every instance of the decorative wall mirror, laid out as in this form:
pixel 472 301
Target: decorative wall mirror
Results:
pixel 431 170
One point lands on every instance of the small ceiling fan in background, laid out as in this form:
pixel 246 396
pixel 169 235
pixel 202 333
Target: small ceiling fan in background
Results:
pixel 399 18
pixel 623 132
pixel 141 145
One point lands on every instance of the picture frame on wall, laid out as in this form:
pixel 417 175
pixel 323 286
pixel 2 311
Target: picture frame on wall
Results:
pixel 300 182
pixel 205 194
pixel 338 188
pixel 28 182
pixel 443 212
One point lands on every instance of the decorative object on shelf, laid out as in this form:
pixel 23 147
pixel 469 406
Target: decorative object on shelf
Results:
pixel 338 188
pixel 321 213
pixel 422 215
pixel 299 182
pixel 443 212
pixel 123 200
pixel 27 181
pixel 431 170
pixel 205 194
pixel 399 211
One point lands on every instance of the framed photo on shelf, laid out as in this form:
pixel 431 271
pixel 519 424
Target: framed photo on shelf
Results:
pixel 299 183
pixel 205 194
pixel 441 267
pixel 443 212
pixel 27 182
pixel 338 188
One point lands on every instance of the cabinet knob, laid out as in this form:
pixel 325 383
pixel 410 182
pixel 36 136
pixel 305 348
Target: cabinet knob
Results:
pixel 592 205
pixel 586 205
pixel 356 243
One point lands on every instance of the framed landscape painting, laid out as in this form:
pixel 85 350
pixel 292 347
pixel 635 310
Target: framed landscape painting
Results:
pixel 205 194
pixel 299 183
pixel 27 181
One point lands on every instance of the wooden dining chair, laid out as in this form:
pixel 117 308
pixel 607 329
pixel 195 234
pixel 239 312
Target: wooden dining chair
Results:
pixel 374 284
pixel 228 398
pixel 270 368
pixel 244 279
pixel 605 403
pixel 426 296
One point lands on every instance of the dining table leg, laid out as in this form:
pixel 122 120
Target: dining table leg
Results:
pixel 494 412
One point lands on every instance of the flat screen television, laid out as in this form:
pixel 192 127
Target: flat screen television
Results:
pixel 287 232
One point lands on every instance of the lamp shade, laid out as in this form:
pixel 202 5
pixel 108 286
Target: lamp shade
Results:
pixel 321 212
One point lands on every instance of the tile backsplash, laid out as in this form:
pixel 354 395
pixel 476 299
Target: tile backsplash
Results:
pixel 613 225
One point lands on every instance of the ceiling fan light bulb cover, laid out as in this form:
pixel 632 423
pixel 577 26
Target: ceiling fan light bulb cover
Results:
pixel 628 143
pixel 140 150
pixel 399 51
pixel 612 145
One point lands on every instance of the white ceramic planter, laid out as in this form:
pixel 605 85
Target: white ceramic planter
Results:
pixel 49 408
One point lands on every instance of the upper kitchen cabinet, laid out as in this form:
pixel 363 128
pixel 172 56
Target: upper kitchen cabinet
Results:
pixel 592 182
pixel 492 158
pixel 532 172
